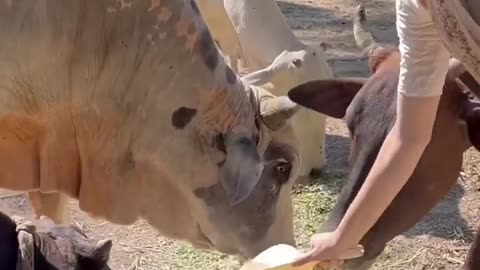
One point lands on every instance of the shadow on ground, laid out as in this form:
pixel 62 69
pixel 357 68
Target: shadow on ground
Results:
pixel 303 18
pixel 445 220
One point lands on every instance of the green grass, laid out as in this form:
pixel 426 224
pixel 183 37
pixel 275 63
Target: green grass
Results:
pixel 312 203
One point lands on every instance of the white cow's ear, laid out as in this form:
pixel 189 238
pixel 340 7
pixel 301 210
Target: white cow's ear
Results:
pixel 297 62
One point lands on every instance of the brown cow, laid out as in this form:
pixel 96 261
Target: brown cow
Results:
pixel 126 106
pixel 369 108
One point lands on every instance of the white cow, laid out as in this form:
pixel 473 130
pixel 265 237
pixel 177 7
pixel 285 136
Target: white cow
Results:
pixel 265 36
pixel 138 118
pixel 221 28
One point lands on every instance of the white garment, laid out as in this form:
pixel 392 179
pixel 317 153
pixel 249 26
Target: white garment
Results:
pixel 424 58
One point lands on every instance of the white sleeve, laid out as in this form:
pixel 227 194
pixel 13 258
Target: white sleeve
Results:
pixel 424 58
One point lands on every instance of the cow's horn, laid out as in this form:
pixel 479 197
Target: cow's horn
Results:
pixel 455 68
pixel 276 111
pixel 363 38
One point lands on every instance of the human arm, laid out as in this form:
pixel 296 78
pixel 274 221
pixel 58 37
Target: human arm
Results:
pixel 395 163
pixel 424 64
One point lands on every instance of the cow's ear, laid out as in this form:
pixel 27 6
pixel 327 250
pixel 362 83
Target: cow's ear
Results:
pixel 471 108
pixel 471 114
pixel 471 83
pixel 474 133
pixel 328 96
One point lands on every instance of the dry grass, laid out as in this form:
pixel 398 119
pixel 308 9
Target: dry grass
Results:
pixel 440 241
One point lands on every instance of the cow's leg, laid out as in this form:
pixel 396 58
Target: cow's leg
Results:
pixel 364 264
pixel 473 257
pixel 19 137
pixel 53 205
pixel 318 143
pixel 232 63
pixel 309 128
pixel 242 64
pixel 373 249
pixel 25 154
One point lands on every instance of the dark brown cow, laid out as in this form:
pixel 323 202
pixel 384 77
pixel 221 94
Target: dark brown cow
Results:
pixel 369 108
pixel 43 245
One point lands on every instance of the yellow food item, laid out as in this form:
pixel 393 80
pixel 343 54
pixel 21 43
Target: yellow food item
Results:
pixel 280 257
pixel 288 266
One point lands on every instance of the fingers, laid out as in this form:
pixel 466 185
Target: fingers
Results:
pixel 314 256
pixel 309 257
pixel 352 253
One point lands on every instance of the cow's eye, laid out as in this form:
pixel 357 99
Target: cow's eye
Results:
pixel 282 171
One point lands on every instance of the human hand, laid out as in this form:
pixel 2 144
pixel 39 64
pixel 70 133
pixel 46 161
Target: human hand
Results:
pixel 329 250
pixel 324 248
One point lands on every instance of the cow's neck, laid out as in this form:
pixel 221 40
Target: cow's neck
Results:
pixel 141 54
pixel 200 72
pixel 203 99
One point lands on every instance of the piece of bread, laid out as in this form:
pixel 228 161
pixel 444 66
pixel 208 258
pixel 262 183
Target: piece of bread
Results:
pixel 274 256
pixel 282 254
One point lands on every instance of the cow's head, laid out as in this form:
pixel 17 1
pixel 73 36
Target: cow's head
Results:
pixel 369 109
pixel 237 213
pixel 265 217
pixel 242 203
pixel 218 169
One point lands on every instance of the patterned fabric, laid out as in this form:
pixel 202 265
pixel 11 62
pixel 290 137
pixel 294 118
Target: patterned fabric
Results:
pixel 459 31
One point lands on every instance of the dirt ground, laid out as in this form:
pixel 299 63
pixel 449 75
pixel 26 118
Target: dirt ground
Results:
pixel 440 241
